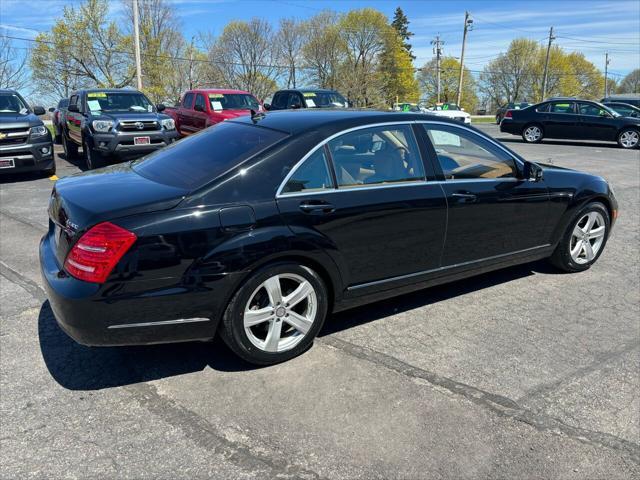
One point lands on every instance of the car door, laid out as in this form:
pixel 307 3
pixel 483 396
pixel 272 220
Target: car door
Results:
pixel 561 120
pixel 199 120
pixel 184 114
pixel 492 210
pixel 364 197
pixel 596 123
pixel 75 119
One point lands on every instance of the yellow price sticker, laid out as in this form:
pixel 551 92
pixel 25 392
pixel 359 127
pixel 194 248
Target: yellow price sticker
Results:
pixel 308 94
pixel 97 95
pixel 216 95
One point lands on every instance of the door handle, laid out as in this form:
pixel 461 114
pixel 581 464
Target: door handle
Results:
pixel 317 207
pixel 463 197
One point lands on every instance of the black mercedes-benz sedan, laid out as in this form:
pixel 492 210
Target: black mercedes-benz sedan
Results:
pixel 572 119
pixel 259 227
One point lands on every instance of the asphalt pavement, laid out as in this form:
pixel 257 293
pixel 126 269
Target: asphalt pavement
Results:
pixel 521 373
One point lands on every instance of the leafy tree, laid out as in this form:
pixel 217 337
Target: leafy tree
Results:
pixel 450 69
pixel 630 83
pixel 323 50
pixel 398 76
pixel 401 25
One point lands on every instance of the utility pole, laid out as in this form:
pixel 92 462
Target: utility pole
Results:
pixel 546 65
pixel 191 65
pixel 437 43
pixel 136 40
pixel 606 72
pixel 468 25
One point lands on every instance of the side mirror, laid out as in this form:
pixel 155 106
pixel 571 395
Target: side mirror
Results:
pixel 52 109
pixel 160 107
pixel 73 108
pixel 295 106
pixel 533 172
pixel 198 108
pixel 39 110
pixel 266 106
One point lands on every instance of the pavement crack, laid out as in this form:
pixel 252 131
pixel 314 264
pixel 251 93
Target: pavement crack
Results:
pixel 24 221
pixel 19 279
pixel 205 435
pixel 498 404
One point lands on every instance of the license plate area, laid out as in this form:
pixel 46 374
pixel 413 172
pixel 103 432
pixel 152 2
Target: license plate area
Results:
pixel 141 140
pixel 7 163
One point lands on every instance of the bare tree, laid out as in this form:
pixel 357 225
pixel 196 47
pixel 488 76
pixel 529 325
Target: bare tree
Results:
pixel 13 65
pixel 290 39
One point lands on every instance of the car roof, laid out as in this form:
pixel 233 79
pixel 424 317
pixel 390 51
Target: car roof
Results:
pixel 107 90
pixel 620 96
pixel 7 90
pixel 218 90
pixel 301 120
pixel 307 89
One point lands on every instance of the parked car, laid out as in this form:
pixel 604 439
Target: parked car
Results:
pixel 202 108
pixel 572 119
pixel 25 142
pixel 283 217
pixel 114 124
pixel 306 98
pixel 510 106
pixel 450 110
pixel 630 98
pixel 624 109
pixel 58 115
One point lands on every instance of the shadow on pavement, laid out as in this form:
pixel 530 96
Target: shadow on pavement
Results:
pixel 77 367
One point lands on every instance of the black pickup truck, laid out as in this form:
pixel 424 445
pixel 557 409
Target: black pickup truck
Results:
pixel 114 124
pixel 25 143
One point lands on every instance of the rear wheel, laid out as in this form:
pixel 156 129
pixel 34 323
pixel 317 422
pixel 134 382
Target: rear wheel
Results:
pixel 498 119
pixel 629 138
pixel 584 239
pixel 276 314
pixel 532 133
pixel 70 148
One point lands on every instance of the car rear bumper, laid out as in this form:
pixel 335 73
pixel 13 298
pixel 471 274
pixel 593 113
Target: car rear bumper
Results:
pixel 507 126
pixel 35 156
pixel 89 315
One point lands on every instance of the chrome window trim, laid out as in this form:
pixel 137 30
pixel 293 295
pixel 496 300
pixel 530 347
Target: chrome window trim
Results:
pixel 280 194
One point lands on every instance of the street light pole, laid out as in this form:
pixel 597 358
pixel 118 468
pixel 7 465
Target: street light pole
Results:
pixel 546 65
pixel 606 72
pixel 438 51
pixel 136 40
pixel 468 23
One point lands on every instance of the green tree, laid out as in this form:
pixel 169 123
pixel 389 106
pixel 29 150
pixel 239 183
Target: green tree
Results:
pixel 449 73
pixel 630 83
pixel 398 76
pixel 401 25
pixel 323 50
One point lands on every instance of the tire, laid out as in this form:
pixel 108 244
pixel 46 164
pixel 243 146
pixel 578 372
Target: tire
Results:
pixel 70 148
pixel 589 220
pixel 498 119
pixel 51 171
pixel 629 138
pixel 92 158
pixel 533 133
pixel 251 343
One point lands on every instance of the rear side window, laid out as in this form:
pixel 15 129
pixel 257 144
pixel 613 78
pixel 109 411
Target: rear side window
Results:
pixel 199 159
pixel 564 107
pixel 542 108
pixel 188 100
pixel 312 175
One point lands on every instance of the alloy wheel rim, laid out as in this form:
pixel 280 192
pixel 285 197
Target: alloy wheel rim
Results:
pixel 532 134
pixel 280 312
pixel 629 139
pixel 587 238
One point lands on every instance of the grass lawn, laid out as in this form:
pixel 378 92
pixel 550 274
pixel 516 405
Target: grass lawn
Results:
pixel 483 119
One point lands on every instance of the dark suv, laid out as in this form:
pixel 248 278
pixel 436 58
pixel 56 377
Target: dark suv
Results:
pixel 306 98
pixel 114 123
pixel 25 143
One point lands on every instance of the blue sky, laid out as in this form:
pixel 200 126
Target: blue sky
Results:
pixel 592 27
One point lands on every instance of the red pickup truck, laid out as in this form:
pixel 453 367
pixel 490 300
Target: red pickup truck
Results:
pixel 202 108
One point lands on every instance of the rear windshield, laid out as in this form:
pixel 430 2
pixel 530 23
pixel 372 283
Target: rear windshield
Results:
pixel 196 160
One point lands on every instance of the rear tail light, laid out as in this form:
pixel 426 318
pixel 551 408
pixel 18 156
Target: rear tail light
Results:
pixel 93 257
pixel 509 114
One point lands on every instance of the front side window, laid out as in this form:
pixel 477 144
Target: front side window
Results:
pixel 200 101
pixel 377 155
pixel 312 175
pixel 188 100
pixel 564 107
pixel 118 102
pixel 591 110
pixel 294 101
pixel 464 155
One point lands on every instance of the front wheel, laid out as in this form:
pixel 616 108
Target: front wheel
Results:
pixel 584 240
pixel 70 148
pixel 629 138
pixel 92 158
pixel 276 314
pixel 532 134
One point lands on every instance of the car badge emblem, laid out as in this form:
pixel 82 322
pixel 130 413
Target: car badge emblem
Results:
pixel 139 125
pixel 2 136
pixel 70 226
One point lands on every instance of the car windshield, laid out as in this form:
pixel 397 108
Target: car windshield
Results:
pixel 118 102
pixel 12 103
pixel 324 99
pixel 195 161
pixel 233 101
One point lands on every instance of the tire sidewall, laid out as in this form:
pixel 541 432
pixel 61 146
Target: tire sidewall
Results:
pixel 533 125
pixel 564 255
pixel 620 136
pixel 233 322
